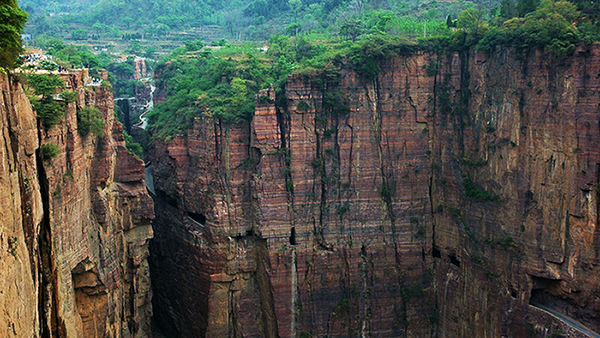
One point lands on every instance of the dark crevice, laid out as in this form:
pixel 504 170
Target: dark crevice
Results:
pixel 436 253
pixel 47 303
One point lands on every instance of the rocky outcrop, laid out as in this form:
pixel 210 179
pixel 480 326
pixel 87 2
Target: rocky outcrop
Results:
pixel 453 195
pixel 76 226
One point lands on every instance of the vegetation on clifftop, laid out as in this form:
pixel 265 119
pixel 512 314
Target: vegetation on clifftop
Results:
pixel 221 82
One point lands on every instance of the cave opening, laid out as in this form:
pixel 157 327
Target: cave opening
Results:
pixel 198 218
pixel 293 236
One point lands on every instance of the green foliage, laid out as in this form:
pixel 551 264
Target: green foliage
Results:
pixel 549 26
pixel 49 111
pixel 373 49
pixel 506 242
pixel 132 146
pixel 89 119
pixel 303 105
pixel 48 65
pixel 50 151
pixel 69 96
pixel 12 22
pixel 476 194
pixel 45 85
pixel 471 26
pixel 12 246
pixel 206 86
pixel 79 34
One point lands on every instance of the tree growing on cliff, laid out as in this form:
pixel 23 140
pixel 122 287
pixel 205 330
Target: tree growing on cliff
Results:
pixel 48 110
pixel 89 120
pixel 12 22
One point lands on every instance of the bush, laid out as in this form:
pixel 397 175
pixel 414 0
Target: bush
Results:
pixel 132 146
pixel 49 111
pixel 373 49
pixel 69 96
pixel 48 65
pixel 50 151
pixel 89 119
pixel 476 194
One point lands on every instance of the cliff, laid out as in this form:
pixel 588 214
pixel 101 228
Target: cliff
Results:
pixel 453 195
pixel 75 227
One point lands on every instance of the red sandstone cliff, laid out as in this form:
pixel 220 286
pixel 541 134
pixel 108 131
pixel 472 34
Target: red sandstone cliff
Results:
pixel 366 223
pixel 75 228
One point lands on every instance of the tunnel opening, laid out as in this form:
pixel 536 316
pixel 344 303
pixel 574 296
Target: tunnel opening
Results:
pixel 548 294
pixel 198 218
pixel 293 236
pixel 454 260
pixel 542 290
pixel 168 199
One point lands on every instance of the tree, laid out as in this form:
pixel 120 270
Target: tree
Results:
pixel 472 25
pixel 79 34
pixel 12 22
pixel 352 29
pixel 526 6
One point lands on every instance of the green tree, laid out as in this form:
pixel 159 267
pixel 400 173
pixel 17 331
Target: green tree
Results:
pixel 526 6
pixel 79 34
pixel 89 119
pixel 471 26
pixel 12 22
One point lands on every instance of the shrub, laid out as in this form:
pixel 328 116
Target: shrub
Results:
pixel 476 194
pixel 50 151
pixel 69 96
pixel 373 49
pixel 89 119
pixel 48 65
pixel 132 146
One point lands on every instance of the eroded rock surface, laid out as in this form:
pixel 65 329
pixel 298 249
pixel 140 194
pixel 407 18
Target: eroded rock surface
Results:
pixel 431 201
pixel 75 228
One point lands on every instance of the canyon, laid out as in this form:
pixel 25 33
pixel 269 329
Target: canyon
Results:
pixel 75 225
pixel 454 194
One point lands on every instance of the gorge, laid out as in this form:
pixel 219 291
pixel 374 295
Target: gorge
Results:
pixel 451 195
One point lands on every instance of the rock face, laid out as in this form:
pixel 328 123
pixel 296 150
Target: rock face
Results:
pixel 451 196
pixel 75 228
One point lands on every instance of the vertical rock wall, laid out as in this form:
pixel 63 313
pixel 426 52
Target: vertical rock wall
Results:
pixel 527 131
pixel 439 199
pixel 79 227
